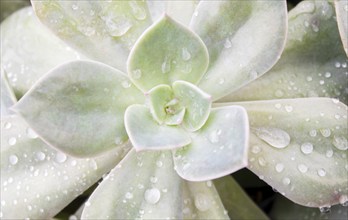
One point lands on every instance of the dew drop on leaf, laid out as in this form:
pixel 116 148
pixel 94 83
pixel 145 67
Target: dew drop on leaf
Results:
pixel 12 141
pixel 276 137
pixel 13 159
pixel 60 157
pixel 279 167
pixel 321 172
pixel 40 155
pixel 340 142
pixel 185 54
pixel 202 202
pixel 325 209
pixel 307 148
pixel 302 168
pixel 31 134
pixel 152 195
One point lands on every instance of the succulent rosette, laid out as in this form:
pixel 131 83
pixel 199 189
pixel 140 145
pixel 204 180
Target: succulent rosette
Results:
pixel 156 98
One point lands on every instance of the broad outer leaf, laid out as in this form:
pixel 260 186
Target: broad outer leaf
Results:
pixel 313 63
pixel 79 107
pixel 38 181
pixel 342 21
pixel 152 191
pixel 102 30
pixel 180 10
pixel 165 53
pixel 244 39
pixel 146 134
pixel 238 204
pixel 299 147
pixel 29 50
pixel 218 148
pixel 7 96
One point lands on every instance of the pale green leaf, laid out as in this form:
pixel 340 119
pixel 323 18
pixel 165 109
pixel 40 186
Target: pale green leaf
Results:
pixel 244 39
pixel 7 96
pixel 29 50
pixel 146 134
pixel 159 96
pixel 79 107
pixel 196 102
pixel 103 30
pixel 165 53
pixel 218 148
pixel 285 209
pixel 313 63
pixel 179 10
pixel 38 181
pixel 238 204
pixel 342 21
pixel 299 147
pixel 152 191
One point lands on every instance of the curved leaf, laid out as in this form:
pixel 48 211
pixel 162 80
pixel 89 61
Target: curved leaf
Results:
pixel 299 147
pixel 165 53
pixel 102 30
pixel 146 134
pixel 241 46
pixel 342 21
pixel 153 191
pixel 159 97
pixel 304 70
pixel 218 148
pixel 7 96
pixel 29 50
pixel 30 171
pixel 79 107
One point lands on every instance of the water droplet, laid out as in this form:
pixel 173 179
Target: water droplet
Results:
pixel 202 202
pixel 166 66
pixel 126 84
pixel 337 64
pixel 279 167
pixel 153 179
pixel 262 161
pixel 329 153
pixel 326 132
pixel 253 74
pixel 227 43
pixel 137 74
pixel 74 7
pixel 7 125
pixel 325 209
pixel 209 183
pixel 159 163
pixel 327 74
pixel 185 54
pixel 321 82
pixel 13 159
pixel 40 155
pixel 309 78
pixel 117 26
pixel 302 168
pixel 255 149
pixel 286 181
pixel 93 164
pixel 321 172
pixel 343 200
pixel 288 108
pixel 307 148
pixel 315 25
pixel 152 196
pixel 276 137
pixel 221 81
pixel 137 10
pixel 129 195
pixel 60 157
pixel 340 142
pixel 12 141
pixel 313 133
pixel 278 106
pixel 31 134
pixel 214 136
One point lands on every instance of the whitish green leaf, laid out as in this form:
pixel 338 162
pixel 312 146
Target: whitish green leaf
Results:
pixel 37 181
pixel 181 11
pixel 146 134
pixel 342 21
pixel 196 102
pixel 313 63
pixel 29 50
pixel 299 147
pixel 102 30
pixel 7 96
pixel 165 53
pixel 244 39
pixel 79 107
pixel 285 209
pixel 218 148
pixel 152 191
pixel 238 204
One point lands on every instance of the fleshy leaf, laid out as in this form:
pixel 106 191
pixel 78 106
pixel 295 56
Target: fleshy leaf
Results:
pixel 79 107
pixel 285 209
pixel 304 70
pixel 165 53
pixel 196 102
pixel 180 10
pixel 218 148
pixel 102 30
pixel 299 146
pixel 147 134
pixel 38 181
pixel 238 204
pixel 29 50
pixel 7 96
pixel 244 39
pixel 153 191
pixel 159 96
pixel 342 21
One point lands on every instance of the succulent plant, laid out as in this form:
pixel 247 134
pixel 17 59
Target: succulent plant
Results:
pixel 157 99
